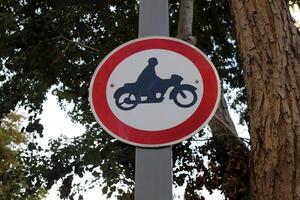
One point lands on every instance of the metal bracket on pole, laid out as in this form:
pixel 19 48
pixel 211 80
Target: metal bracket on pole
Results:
pixel 153 167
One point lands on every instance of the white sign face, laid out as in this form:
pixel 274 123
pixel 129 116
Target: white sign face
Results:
pixel 156 115
pixel 154 91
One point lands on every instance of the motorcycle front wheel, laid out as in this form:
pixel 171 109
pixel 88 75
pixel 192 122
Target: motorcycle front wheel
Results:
pixel 186 96
pixel 126 101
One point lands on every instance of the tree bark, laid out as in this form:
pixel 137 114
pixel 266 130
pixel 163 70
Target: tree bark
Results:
pixel 270 51
pixel 185 24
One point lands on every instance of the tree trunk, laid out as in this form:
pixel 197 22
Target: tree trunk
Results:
pixel 185 24
pixel 222 123
pixel 228 145
pixel 270 51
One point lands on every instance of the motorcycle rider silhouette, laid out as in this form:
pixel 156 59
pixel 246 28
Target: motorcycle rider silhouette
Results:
pixel 149 81
pixel 150 88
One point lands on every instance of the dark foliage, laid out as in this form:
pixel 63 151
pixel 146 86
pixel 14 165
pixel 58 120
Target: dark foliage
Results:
pixel 42 46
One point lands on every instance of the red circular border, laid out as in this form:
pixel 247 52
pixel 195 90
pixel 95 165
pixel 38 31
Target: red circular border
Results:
pixel 165 137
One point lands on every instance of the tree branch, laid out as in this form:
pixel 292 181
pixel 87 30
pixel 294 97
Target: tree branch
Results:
pixel 79 43
pixel 74 42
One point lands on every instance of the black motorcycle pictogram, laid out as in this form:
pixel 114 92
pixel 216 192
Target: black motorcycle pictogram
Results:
pixel 149 88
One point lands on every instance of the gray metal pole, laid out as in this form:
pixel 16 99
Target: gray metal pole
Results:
pixel 154 18
pixel 153 167
pixel 153 174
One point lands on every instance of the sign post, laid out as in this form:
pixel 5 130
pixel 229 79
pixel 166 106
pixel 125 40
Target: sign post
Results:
pixel 154 92
pixel 153 167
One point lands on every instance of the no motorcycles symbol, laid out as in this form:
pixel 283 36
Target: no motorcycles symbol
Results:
pixel 154 91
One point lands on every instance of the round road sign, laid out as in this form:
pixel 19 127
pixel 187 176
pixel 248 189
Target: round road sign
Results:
pixel 154 91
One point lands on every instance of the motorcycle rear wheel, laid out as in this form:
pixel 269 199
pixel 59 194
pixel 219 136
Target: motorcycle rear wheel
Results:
pixel 126 101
